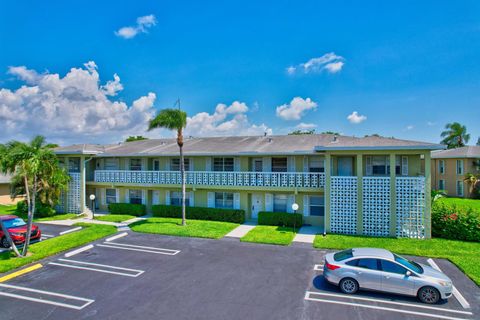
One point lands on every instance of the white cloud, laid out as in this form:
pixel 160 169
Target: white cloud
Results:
pixel 306 126
pixel 72 108
pixel 296 109
pixel 430 123
pixel 409 127
pixel 225 121
pixel 356 118
pixel 329 62
pixel 142 26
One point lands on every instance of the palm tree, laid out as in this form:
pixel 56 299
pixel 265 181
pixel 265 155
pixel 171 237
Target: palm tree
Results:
pixel 472 180
pixel 36 165
pixel 174 119
pixel 455 135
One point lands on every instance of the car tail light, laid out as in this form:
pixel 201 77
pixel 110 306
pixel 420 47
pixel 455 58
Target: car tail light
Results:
pixel 332 266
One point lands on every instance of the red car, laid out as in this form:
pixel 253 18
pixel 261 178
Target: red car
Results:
pixel 17 229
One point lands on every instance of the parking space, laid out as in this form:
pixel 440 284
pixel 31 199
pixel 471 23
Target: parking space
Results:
pixel 134 276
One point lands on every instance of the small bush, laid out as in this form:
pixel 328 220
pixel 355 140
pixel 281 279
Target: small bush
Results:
pixel 41 210
pixel 127 208
pixel 200 213
pixel 450 221
pixel 282 219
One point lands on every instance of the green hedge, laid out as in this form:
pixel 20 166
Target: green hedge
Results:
pixel 127 208
pixel 454 222
pixel 282 219
pixel 200 213
pixel 41 210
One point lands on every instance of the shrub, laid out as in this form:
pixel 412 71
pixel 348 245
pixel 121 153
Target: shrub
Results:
pixel 41 210
pixel 282 219
pixel 200 213
pixel 127 208
pixel 450 221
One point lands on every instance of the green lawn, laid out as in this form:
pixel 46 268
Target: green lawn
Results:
pixel 194 228
pixel 466 255
pixel 270 235
pixel 115 217
pixel 12 210
pixel 40 250
pixel 462 203
pixel 7 209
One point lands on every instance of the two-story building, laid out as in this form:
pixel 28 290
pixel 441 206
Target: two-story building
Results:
pixel 349 185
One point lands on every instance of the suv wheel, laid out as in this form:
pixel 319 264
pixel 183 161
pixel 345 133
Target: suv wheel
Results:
pixel 428 295
pixel 349 285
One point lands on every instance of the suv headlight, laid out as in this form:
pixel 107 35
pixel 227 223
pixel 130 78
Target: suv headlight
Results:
pixel 444 283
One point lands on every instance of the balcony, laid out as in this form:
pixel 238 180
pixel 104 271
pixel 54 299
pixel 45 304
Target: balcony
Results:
pixel 213 178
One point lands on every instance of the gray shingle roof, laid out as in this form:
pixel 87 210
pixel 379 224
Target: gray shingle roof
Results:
pixel 463 152
pixel 248 145
pixel 4 178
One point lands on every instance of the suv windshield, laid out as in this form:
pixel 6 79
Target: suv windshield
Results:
pixel 13 223
pixel 342 255
pixel 409 264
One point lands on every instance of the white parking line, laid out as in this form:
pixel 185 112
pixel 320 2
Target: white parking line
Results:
pixel 318 267
pixel 158 250
pixel 78 265
pixel 138 248
pixel 47 235
pixel 74 252
pixel 70 230
pixel 455 291
pixel 48 293
pixel 415 305
pixel 118 236
pixel 430 315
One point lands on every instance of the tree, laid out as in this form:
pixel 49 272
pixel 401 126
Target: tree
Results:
pixel 36 166
pixel 174 119
pixel 135 138
pixel 478 141
pixel 455 135
pixel 301 132
pixel 472 180
pixel 331 132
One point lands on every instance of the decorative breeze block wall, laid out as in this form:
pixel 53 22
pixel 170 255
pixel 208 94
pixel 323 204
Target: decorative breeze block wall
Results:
pixel 376 206
pixel 343 205
pixel 410 207
pixel 73 194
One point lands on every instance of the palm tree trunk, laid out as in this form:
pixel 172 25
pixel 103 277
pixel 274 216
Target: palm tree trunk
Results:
pixel 9 239
pixel 184 182
pixel 31 211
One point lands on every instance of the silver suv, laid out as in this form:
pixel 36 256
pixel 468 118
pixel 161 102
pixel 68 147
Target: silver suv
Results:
pixel 382 270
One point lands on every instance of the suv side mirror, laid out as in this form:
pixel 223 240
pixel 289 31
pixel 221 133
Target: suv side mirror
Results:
pixel 408 273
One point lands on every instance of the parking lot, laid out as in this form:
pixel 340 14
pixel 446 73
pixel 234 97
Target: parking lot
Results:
pixel 141 276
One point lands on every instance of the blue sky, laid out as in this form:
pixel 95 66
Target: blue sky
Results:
pixel 406 68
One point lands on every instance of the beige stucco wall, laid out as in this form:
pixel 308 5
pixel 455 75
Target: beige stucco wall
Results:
pixel 5 195
pixel 450 175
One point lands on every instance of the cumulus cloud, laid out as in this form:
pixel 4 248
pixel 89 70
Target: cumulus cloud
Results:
pixel 356 118
pixel 409 127
pixel 296 109
pixel 229 120
pixel 329 62
pixel 72 108
pixel 306 126
pixel 143 24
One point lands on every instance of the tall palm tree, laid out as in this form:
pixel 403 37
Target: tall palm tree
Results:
pixel 174 119
pixel 472 180
pixel 455 135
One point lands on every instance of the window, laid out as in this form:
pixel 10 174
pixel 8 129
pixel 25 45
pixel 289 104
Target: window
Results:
pixel 352 263
pixel 459 167
pixel 342 255
pixel 176 198
pixel 460 188
pixel 317 206
pixel 224 200
pixel 73 164
pixel 110 196
pixel 223 164
pixel 136 164
pixel 409 264
pixel 111 164
pixel 135 196
pixel 280 203
pixel 391 267
pixel 279 165
pixel 316 164
pixel 175 164
pixel 441 184
pixel 368 263
pixel 441 166
pixel 379 165
pixel 156 165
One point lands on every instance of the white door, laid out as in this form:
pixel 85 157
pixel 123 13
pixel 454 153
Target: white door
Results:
pixel 156 197
pixel 257 165
pixel 345 166
pixel 257 205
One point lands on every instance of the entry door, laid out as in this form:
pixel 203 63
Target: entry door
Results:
pixel 156 197
pixel 345 166
pixel 257 165
pixel 257 205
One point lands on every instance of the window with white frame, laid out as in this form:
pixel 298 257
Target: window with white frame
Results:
pixel 441 184
pixel 110 196
pixel 111 164
pixel 316 164
pixel 224 200
pixel 317 206
pixel 280 203
pixel 136 164
pixel 380 165
pixel 175 164
pixel 459 188
pixel 73 164
pixel 176 198
pixel 459 167
pixel 135 196
pixel 441 166
pixel 279 165
pixel 156 165
pixel 223 164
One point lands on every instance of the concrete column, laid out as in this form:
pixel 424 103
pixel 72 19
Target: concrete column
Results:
pixel 328 174
pixel 428 195
pixel 83 177
pixel 393 197
pixel 359 170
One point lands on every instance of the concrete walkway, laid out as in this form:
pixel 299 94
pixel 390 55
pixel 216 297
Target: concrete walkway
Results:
pixel 307 234
pixel 241 230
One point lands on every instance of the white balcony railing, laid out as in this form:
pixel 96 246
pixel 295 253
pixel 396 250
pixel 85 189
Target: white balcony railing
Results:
pixel 213 178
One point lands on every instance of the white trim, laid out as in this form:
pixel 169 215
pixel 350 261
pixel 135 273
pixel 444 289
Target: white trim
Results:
pixel 404 166
pixel 269 202
pixel 236 201
pixel 306 205
pixel 211 199
pixel 167 197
